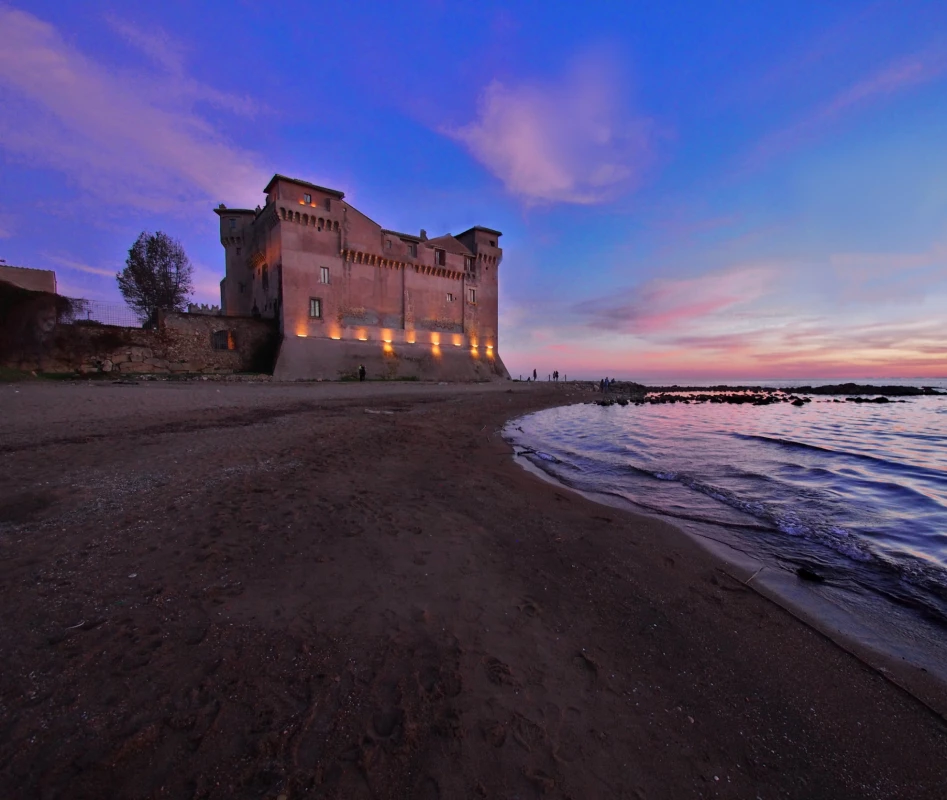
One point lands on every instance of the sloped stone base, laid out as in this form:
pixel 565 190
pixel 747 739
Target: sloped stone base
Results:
pixel 312 358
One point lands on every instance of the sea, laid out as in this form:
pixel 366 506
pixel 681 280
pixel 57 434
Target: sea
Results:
pixel 853 493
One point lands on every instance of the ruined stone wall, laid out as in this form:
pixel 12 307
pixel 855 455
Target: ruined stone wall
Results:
pixel 182 344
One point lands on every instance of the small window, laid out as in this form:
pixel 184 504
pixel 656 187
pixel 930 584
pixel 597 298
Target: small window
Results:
pixel 450 297
pixel 233 224
pixel 387 244
pixel 493 243
pixel 468 263
pixel 323 274
pixel 412 249
pixel 223 340
pixel 440 258
pixel 307 198
pixel 472 296
pixel 328 204
pixel 315 308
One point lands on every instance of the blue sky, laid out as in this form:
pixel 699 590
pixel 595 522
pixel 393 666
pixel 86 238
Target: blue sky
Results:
pixel 685 189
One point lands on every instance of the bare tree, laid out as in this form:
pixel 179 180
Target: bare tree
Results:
pixel 157 275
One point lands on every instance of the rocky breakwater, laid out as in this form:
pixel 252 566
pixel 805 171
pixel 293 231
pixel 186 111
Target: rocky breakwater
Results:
pixel 625 394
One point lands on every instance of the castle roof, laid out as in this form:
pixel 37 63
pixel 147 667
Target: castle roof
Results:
pixel 221 210
pixel 480 228
pixel 409 236
pixel 323 189
pixel 449 244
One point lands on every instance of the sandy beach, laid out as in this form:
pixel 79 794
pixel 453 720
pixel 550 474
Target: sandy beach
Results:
pixel 220 590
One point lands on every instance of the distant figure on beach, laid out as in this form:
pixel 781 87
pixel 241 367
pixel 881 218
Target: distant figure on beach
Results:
pixel 361 372
pixel 555 375
pixel 534 374
pixel 601 385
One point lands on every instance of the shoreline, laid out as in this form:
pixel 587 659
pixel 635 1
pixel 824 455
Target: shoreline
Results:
pixel 247 591
pixel 916 673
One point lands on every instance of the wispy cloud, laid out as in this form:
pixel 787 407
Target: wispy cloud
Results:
pixel 895 77
pixel 885 278
pixel 663 305
pixel 572 142
pixel 155 43
pixel 78 266
pixel 128 140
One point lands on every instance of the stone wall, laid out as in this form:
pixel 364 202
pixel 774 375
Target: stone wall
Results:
pixel 182 344
pixel 35 280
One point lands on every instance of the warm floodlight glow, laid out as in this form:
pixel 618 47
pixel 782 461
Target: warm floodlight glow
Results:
pixel 435 339
pixel 363 338
pixel 301 335
pixel 387 341
pixel 387 347
pixel 335 337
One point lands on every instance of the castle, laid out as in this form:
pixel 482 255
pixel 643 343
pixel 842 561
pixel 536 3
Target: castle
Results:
pixel 345 291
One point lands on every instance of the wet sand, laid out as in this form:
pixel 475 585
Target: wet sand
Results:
pixel 217 590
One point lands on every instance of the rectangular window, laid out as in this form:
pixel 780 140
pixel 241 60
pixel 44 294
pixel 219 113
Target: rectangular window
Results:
pixel 223 340
pixel 315 308
pixel 440 258
pixel 233 224
pixel 323 274
pixel 328 204
pixel 493 243
pixel 412 249
pixel 308 198
pixel 387 244
pixel 472 296
pixel 468 263
pixel 450 298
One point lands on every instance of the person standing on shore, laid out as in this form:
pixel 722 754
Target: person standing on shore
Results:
pixel 361 373
pixel 534 374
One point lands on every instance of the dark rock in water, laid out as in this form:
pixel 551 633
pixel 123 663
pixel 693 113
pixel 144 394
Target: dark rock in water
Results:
pixel 855 388
pixel 798 402
pixel 807 574
pixel 622 401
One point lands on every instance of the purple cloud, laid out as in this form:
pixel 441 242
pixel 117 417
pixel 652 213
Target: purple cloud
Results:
pixel 127 140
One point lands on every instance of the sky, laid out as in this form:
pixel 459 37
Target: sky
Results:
pixel 692 190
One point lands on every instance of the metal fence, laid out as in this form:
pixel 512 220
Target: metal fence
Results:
pixel 96 312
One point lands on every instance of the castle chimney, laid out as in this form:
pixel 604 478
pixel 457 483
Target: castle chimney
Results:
pixel 423 235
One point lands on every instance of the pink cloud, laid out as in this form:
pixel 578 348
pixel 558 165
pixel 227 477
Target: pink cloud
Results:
pixel 129 140
pixel 573 142
pixel 663 305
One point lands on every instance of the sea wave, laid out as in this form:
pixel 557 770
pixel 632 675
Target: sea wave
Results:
pixel 863 497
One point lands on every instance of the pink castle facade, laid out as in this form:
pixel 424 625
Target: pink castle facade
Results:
pixel 347 292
